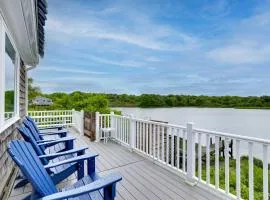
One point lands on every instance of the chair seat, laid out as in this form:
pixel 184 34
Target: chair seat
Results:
pixel 55 148
pixel 61 168
pixel 51 130
pixel 51 137
pixel 97 195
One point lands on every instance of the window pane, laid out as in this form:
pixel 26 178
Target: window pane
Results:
pixel 9 79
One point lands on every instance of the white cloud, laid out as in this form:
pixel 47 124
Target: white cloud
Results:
pixel 244 81
pixel 142 32
pixel 240 54
pixel 248 42
pixel 69 70
pixel 217 9
pixel 152 59
pixel 125 63
pixel 46 84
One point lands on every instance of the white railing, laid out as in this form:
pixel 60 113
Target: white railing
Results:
pixel 202 157
pixel 242 146
pixel 78 120
pixel 52 118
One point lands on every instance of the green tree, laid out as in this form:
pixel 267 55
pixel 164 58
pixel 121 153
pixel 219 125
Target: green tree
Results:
pixel 33 91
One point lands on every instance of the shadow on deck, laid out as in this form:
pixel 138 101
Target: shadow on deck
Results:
pixel 142 179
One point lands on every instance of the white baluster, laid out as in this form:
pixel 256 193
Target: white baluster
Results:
pixel 172 147
pixel 216 162
pixel 132 132
pixel 227 166
pixel 122 129
pixel 97 127
pixel 184 151
pixel 116 127
pixel 250 177
pixel 147 138
pixel 265 172
pixel 238 170
pixel 125 129
pixel 177 147
pixel 138 135
pixel 158 142
pixel 162 143
pixel 151 140
pixel 154 141
pixel 141 142
pixel 199 156
pixel 167 145
pixel 143 137
pixel 207 159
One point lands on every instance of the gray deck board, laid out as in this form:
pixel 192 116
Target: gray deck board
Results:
pixel 142 179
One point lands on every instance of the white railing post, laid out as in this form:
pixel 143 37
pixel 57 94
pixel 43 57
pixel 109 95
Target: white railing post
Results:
pixel 73 118
pixel 82 122
pixel 97 127
pixel 112 125
pixel 190 155
pixel 132 134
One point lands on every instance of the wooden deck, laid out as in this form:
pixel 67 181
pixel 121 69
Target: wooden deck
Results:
pixel 142 179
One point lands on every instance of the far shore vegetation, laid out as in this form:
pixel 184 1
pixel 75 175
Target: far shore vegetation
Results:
pixel 102 102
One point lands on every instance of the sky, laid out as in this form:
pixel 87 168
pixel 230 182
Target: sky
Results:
pixel 204 47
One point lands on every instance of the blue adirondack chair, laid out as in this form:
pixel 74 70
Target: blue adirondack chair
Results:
pixel 57 173
pixel 89 187
pixel 60 146
pixel 44 129
pixel 30 124
pixel 57 129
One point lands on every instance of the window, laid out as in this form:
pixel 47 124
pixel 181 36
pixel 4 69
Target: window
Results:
pixel 10 79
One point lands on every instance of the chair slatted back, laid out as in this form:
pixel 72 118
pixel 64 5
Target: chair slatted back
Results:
pixel 27 160
pixel 33 130
pixel 28 137
pixel 32 122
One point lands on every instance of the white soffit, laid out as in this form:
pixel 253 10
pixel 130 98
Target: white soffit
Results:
pixel 20 18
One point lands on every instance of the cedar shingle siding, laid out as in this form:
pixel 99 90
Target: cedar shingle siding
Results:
pixel 22 91
pixel 7 168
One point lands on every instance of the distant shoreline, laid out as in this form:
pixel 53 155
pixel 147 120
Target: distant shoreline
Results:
pixel 240 108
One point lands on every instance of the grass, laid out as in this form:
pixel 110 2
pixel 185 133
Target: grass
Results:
pixel 244 168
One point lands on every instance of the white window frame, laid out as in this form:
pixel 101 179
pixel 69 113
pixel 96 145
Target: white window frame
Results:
pixel 3 122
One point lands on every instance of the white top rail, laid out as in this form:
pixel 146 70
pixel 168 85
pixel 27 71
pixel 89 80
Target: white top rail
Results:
pixel 232 136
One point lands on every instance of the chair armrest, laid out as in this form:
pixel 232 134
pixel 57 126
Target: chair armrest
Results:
pixel 53 133
pixel 72 160
pixel 52 142
pixel 42 141
pixel 94 186
pixel 48 128
pixel 62 133
pixel 54 155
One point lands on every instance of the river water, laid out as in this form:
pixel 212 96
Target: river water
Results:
pixel 246 122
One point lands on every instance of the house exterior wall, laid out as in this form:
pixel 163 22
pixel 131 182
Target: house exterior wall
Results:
pixel 7 169
pixel 22 95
